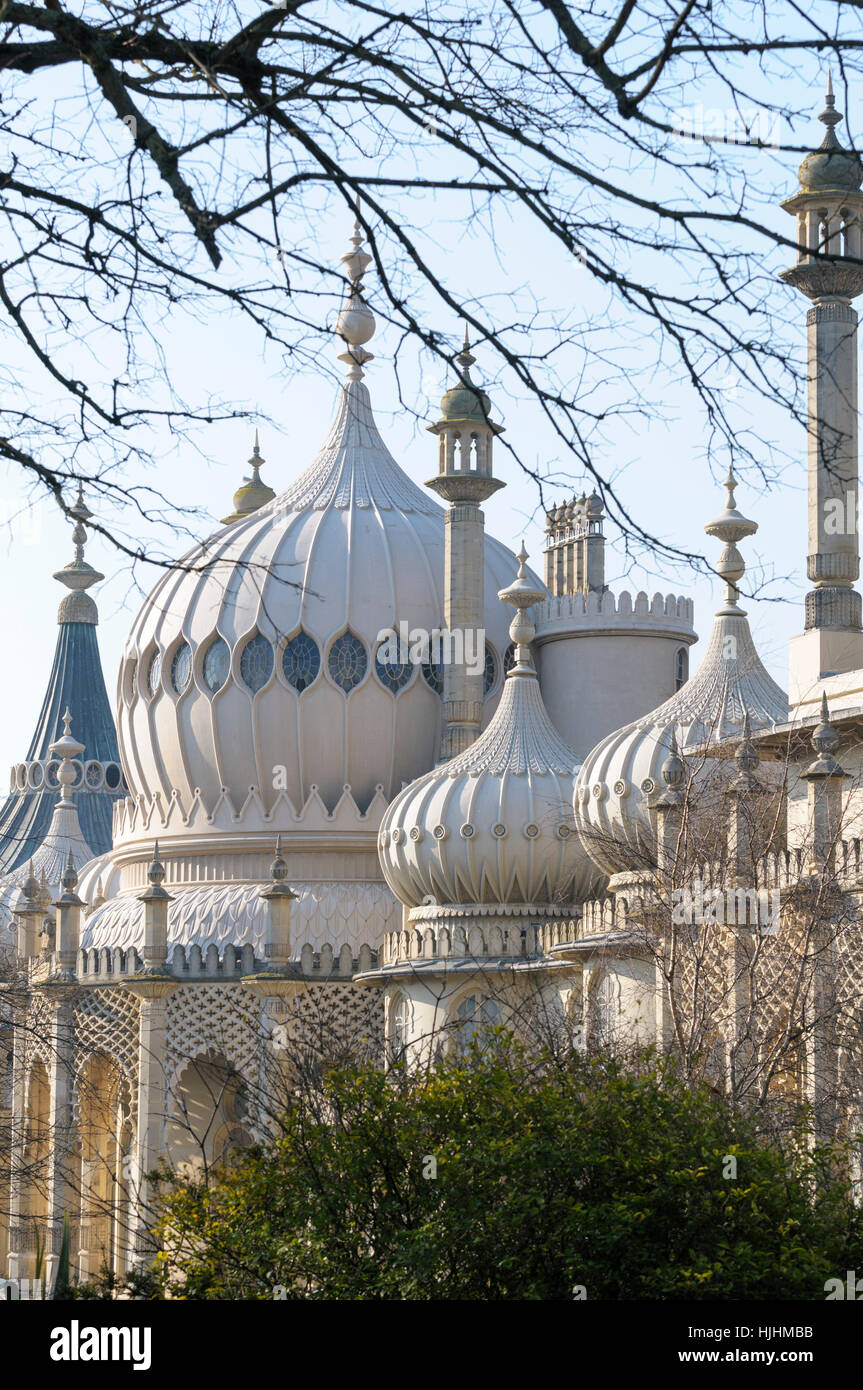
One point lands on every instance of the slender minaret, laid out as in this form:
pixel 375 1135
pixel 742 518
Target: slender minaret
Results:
pixel 829 209
pixel 464 479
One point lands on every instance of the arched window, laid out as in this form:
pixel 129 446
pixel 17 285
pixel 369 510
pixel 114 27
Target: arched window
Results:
pixel 681 667
pixel 399 1026
pixel 433 675
pixel 476 1015
pixel 347 662
pixel 301 661
pixel 509 659
pixel 605 1012
pixel 395 675
pixel 154 672
pixel 181 668
pixel 256 663
pixel 490 673
pixel 217 664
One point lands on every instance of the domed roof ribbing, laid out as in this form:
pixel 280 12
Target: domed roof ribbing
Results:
pixel 620 776
pixel 495 824
pixel 257 661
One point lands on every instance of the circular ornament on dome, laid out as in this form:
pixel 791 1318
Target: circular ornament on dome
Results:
pixel 181 668
pixel 112 776
pixel 93 774
pixel 217 664
pixel 440 832
pixel 154 672
pixel 416 834
pixel 78 769
pixel 563 831
pixel 467 831
pixel 499 830
pixel 51 775
pixel 599 791
pixel 256 663
pixel 583 794
pixel 620 787
pixel 301 662
pixel 37 776
pixel 648 786
pixel 397 837
pixel 531 831
pixel 347 662
pixel 21 777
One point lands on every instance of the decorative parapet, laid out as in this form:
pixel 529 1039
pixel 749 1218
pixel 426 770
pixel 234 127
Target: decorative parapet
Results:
pixel 490 932
pixel 104 966
pixel 598 612
pixel 141 817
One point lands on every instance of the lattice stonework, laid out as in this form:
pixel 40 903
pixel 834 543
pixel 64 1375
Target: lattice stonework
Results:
pixel 37 1032
pixel 106 1021
pixel 204 1019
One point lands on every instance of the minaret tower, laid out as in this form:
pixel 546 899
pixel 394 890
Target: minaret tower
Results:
pixel 464 480
pixel 829 271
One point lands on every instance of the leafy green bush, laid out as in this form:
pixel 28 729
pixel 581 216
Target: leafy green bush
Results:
pixel 493 1177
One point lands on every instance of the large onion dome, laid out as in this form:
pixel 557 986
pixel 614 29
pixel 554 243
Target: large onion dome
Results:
pixel 495 824
pixel 621 775
pixel 258 661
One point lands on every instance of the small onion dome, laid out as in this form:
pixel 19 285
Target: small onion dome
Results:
pixel 254 493
pixel 594 504
pixel 465 401
pixel 830 166
pixel 729 692
pixel 495 824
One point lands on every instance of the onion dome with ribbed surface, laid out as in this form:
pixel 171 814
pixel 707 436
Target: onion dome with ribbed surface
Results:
pixel 622 774
pixel 258 662
pixel 495 824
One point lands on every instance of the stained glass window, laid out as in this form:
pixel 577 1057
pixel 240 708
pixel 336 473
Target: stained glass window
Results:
pixel 112 776
pixel 217 664
pixel 181 667
pixel 433 675
pixel 301 661
pixel 256 663
pixel 347 661
pixel 395 675
pixel 490 673
pixel 93 774
pixel 509 658
pixel 154 672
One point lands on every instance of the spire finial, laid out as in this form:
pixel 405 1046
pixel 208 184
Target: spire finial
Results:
pixel 356 322
pixel 830 116
pixel 825 742
pixel 731 526
pixel 67 748
pixel 78 575
pixel 522 595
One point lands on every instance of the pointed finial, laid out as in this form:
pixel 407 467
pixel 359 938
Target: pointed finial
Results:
pixel 78 575
pixel 522 595
pixel 466 358
pixel 356 322
pixel 67 748
pixel 746 757
pixel 278 868
pixel 156 871
pixel 69 878
pixel 673 769
pixel 825 741
pixel 830 116
pixel 731 526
